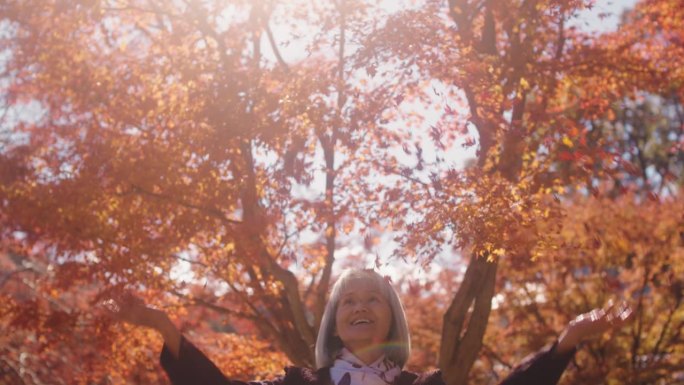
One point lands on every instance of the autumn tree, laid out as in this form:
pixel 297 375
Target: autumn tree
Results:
pixel 166 135
pixel 624 243
pixel 621 242
pixel 55 336
pixel 174 134
pixel 603 249
pixel 532 83
pixel 606 250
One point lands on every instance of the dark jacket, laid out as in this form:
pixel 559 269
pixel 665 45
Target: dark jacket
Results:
pixel 193 367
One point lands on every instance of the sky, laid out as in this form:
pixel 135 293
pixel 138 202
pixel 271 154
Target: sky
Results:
pixel 604 17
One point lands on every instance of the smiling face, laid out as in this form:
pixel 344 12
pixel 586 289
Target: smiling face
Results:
pixel 363 318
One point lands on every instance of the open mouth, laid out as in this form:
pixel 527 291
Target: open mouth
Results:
pixel 361 321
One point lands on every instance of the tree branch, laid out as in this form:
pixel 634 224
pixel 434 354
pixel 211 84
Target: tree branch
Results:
pixel 12 273
pixel 213 306
pixel 329 154
pixel 459 349
pixel 212 212
pixel 275 48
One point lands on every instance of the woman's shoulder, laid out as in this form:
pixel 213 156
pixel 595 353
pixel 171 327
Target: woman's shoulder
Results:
pixel 431 377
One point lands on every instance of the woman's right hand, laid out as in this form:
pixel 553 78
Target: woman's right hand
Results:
pixel 131 309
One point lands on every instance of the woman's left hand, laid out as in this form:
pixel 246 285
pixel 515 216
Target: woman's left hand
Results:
pixel 592 324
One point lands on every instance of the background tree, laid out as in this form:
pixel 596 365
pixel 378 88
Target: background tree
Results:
pixel 178 150
pixel 638 152
pixel 532 83
pixel 606 250
pixel 602 250
pixel 166 136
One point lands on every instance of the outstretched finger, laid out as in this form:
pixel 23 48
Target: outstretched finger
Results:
pixel 118 300
pixel 111 308
pixel 621 314
pixel 600 321
pixel 610 306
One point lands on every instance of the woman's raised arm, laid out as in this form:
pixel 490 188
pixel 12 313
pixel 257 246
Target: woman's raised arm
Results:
pixel 546 366
pixel 131 309
pixel 182 361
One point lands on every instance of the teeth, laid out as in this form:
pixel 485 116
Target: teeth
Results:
pixel 360 321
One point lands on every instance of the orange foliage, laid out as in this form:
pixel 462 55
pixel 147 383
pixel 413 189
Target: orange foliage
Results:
pixel 179 153
pixel 601 250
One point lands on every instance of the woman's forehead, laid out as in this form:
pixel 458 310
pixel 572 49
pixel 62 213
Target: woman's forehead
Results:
pixel 360 285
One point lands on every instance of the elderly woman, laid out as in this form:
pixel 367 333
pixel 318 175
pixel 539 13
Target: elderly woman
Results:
pixel 363 340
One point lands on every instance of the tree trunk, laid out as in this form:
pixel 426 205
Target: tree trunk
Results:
pixel 464 328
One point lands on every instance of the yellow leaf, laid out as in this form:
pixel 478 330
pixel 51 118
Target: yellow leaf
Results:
pixel 568 142
pixel 524 84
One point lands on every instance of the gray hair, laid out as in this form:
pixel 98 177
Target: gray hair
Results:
pixel 328 345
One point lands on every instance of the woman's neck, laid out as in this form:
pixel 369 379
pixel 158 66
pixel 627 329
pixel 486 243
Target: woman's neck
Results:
pixel 368 355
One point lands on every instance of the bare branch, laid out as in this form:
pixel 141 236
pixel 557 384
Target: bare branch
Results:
pixel 329 154
pixel 12 273
pixel 212 212
pixel 275 48
pixel 213 306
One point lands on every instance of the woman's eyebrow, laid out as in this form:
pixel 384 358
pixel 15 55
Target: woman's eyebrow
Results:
pixel 357 292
